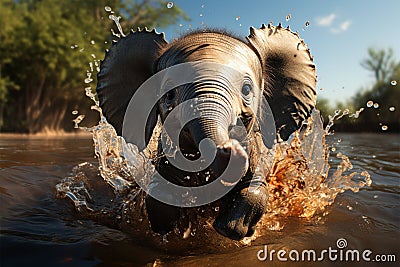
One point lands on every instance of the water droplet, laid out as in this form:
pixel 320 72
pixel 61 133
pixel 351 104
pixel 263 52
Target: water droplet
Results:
pixel 93 55
pixel 107 8
pixel 202 6
pixel 288 16
pixel 339 140
pixel 74 112
pixel 307 23
pixel 170 4
pixel 370 104
pixel 333 149
pixel 375 196
pixel 394 82
pixel 392 109
pixel 201 15
pixel 376 105
pixel 238 17
pixel 384 127
pixel 78 120
pixel 180 25
pixel 216 208
pixel 349 207
pixel 88 80
pixel 92 42
pixel 72 47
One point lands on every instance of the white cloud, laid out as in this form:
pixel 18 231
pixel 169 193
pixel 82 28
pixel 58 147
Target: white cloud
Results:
pixel 344 26
pixel 326 21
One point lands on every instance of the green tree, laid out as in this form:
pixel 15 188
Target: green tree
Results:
pixel 380 62
pixel 45 49
pixel 382 97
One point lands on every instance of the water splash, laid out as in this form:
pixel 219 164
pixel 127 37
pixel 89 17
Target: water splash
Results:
pixel 298 181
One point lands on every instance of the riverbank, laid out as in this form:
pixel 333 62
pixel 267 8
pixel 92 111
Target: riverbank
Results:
pixel 77 134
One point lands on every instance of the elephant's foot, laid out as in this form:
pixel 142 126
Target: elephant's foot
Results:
pixel 240 212
pixel 163 217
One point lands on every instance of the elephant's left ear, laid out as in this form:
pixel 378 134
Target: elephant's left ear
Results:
pixel 289 74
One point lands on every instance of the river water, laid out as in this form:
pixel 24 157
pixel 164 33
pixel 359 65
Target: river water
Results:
pixel 38 229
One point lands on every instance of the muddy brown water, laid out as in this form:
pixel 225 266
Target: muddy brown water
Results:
pixel 36 230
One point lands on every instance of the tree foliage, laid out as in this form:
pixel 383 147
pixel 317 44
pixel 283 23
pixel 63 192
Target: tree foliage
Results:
pixel 45 48
pixel 380 101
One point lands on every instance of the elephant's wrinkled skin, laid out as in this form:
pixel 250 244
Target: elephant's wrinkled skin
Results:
pixel 275 63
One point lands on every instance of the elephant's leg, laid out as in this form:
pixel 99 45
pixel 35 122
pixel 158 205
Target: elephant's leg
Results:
pixel 163 217
pixel 241 210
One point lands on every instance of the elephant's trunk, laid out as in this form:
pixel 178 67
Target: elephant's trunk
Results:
pixel 213 114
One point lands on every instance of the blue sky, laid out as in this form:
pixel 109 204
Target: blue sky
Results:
pixel 339 33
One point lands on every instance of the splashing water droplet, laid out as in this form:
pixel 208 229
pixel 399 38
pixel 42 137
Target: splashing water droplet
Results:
pixel 370 104
pixel 376 105
pixel 307 23
pixel 201 14
pixel 117 23
pixel 288 16
pixel 202 6
pixel 74 112
pixel 78 120
pixel 333 149
pixel 107 8
pixel 88 80
pixel 92 42
pixel 237 18
pixel 394 82
pixel 384 127
pixel 170 4
pixel 392 109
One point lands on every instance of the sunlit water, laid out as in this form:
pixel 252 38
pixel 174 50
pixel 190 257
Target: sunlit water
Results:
pixel 39 228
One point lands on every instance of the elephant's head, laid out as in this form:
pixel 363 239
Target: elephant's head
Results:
pixel 272 63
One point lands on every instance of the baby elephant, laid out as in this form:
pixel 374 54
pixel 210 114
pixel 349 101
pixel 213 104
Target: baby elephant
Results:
pixel 271 64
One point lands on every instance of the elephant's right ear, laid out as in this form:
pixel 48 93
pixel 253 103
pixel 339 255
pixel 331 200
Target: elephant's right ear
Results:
pixel 127 64
pixel 289 74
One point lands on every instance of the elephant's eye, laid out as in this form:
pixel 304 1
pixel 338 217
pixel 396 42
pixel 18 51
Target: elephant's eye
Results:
pixel 170 95
pixel 246 89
